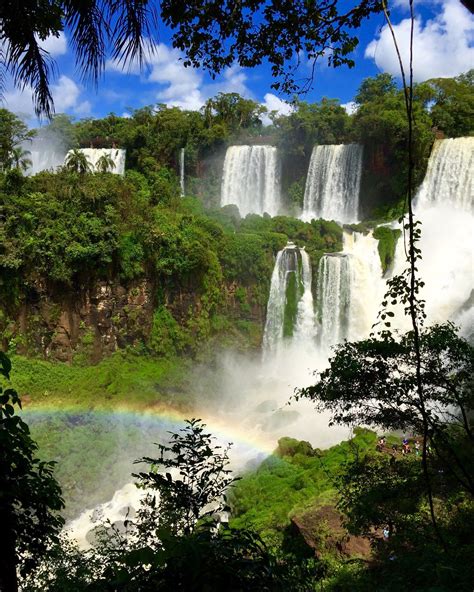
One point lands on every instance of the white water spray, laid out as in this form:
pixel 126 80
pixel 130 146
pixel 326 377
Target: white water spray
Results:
pixel 449 179
pixel 251 179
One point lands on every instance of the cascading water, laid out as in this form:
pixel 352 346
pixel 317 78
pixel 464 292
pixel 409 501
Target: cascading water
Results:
pixel 181 170
pixel 350 287
pixel 290 311
pixel 444 205
pixel 449 178
pixel 94 154
pixel 333 183
pixel 334 294
pixel 251 179
pixel 44 160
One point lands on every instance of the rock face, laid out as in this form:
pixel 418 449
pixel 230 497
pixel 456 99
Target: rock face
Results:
pixel 322 530
pixel 95 320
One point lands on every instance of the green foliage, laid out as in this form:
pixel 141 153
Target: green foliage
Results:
pixel 195 490
pixel 173 541
pixel 131 256
pixel 453 108
pixel 123 377
pixel 387 238
pixel 291 446
pixel 296 193
pixel 30 497
pixel 167 338
pixel 76 161
pixel 297 133
pixel 233 111
pixel 380 124
pixel 13 132
pixel 294 291
pixel 424 502
pixel 54 237
pixel 296 478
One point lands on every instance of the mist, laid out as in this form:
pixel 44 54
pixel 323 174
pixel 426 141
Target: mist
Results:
pixel 47 150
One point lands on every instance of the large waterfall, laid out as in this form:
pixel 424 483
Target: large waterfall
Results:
pixel 251 179
pixel 444 205
pixel 290 311
pixel 333 183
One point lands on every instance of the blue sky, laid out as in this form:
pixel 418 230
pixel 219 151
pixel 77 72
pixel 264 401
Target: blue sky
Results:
pixel 444 46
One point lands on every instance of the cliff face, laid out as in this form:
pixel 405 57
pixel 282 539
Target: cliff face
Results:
pixel 378 170
pixel 96 320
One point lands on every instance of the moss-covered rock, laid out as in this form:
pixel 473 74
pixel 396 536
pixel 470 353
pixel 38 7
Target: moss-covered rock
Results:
pixel 387 238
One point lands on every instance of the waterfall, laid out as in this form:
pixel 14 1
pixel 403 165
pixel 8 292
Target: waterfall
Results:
pixel 94 154
pixel 367 283
pixel 350 289
pixel 449 179
pixel 334 296
pixel 333 183
pixel 290 312
pixel 444 205
pixel 181 171
pixel 44 160
pixel 251 179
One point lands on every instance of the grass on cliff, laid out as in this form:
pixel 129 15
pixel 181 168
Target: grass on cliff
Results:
pixel 124 379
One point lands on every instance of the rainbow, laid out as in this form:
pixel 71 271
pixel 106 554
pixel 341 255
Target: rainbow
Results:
pixel 166 416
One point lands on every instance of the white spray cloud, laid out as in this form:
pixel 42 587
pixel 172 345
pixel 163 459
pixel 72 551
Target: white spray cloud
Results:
pixel 443 46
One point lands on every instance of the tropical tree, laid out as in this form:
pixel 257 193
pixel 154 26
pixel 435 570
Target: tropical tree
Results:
pixel 20 159
pixel 453 108
pixel 105 164
pixel 30 497
pixel 233 111
pixel 78 162
pixel 13 133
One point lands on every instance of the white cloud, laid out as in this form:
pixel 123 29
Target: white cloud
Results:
pixel 66 94
pixel 183 87
pixel 350 107
pixel 55 46
pixel 274 103
pixel 443 46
